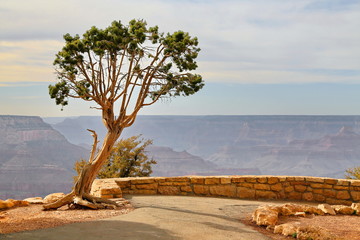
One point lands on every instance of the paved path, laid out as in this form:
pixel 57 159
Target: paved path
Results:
pixel 161 218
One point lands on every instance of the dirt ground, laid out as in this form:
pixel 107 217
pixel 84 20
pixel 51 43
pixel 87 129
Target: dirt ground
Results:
pixel 33 217
pixel 342 227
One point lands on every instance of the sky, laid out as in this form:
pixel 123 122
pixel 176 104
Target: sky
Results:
pixel 258 57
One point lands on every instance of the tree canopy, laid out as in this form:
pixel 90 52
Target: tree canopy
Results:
pixel 119 62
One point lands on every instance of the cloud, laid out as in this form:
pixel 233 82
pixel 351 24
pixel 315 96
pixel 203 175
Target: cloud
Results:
pixel 260 40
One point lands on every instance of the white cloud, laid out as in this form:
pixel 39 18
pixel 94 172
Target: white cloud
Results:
pixel 246 41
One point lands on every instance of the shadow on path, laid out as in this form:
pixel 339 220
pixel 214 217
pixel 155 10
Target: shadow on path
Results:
pixel 98 230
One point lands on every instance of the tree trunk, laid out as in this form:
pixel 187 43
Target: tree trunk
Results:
pixel 80 194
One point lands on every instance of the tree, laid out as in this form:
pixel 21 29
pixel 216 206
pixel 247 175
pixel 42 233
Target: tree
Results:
pixel 127 159
pixel 121 69
pixel 353 173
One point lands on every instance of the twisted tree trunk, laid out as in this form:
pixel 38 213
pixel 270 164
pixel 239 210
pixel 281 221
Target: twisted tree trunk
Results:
pixel 80 195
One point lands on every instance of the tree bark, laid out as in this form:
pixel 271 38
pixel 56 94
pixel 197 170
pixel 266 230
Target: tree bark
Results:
pixel 80 194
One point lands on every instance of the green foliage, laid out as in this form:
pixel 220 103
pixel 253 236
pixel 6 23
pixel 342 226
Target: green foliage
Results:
pixel 128 159
pixel 105 65
pixel 353 173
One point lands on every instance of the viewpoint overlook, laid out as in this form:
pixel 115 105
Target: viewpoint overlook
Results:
pixel 32 151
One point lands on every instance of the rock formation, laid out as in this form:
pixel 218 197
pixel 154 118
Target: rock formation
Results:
pixel 35 160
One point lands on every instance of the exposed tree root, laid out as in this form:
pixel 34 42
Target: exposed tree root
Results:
pixel 87 201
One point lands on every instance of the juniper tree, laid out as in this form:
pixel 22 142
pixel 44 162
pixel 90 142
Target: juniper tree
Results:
pixel 121 69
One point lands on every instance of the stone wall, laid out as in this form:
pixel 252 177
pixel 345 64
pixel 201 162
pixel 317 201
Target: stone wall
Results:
pixel 328 190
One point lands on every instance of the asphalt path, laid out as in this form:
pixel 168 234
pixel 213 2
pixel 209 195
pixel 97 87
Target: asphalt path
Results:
pixel 162 218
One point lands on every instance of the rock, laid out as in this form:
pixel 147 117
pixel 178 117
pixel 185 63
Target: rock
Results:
pixel 290 209
pixel 326 208
pixel 53 197
pixel 341 209
pixel 34 200
pixel 265 215
pixel 106 188
pixel 6 204
pixel 287 229
pixel 314 210
pixel 300 214
pixel 19 203
pixel 356 207
pixel 314 233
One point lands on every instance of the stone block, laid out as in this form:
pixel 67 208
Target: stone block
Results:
pixel 272 180
pixel 265 194
pixel 250 179
pixel 341 209
pixel 223 190
pixel 319 198
pixel 142 181
pixel 225 180
pixel 260 186
pixel 168 190
pixel 201 189
pixel 177 179
pixel 314 180
pixel 212 181
pixel 300 188
pixel 355 183
pixel 317 185
pixel 105 191
pixel 343 182
pixel 247 185
pixel 238 179
pixel 308 196
pixel 174 183
pixel 337 187
pixel 186 189
pixel 329 193
pixel 294 195
pixel 299 179
pixel 355 195
pixel 262 179
pixel 147 186
pixel 318 191
pixel 276 187
pixel 107 196
pixel 334 201
pixel 343 195
pixel 289 189
pixel 197 180
pixel 243 192
pixel 330 181
pixel 144 192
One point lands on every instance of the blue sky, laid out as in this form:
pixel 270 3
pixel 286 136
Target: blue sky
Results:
pixel 258 56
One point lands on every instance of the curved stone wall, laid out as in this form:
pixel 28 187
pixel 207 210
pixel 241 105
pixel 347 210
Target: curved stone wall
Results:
pixel 315 189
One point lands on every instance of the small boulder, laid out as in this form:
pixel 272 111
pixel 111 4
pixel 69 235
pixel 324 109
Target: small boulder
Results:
pixel 314 210
pixel 341 209
pixel 356 207
pixel 265 216
pixel 53 197
pixel 6 204
pixel 290 209
pixel 300 214
pixel 327 209
pixel 19 203
pixel 287 229
pixel 34 200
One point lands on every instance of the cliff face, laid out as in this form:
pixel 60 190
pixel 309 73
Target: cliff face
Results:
pixel 34 158
pixel 266 143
